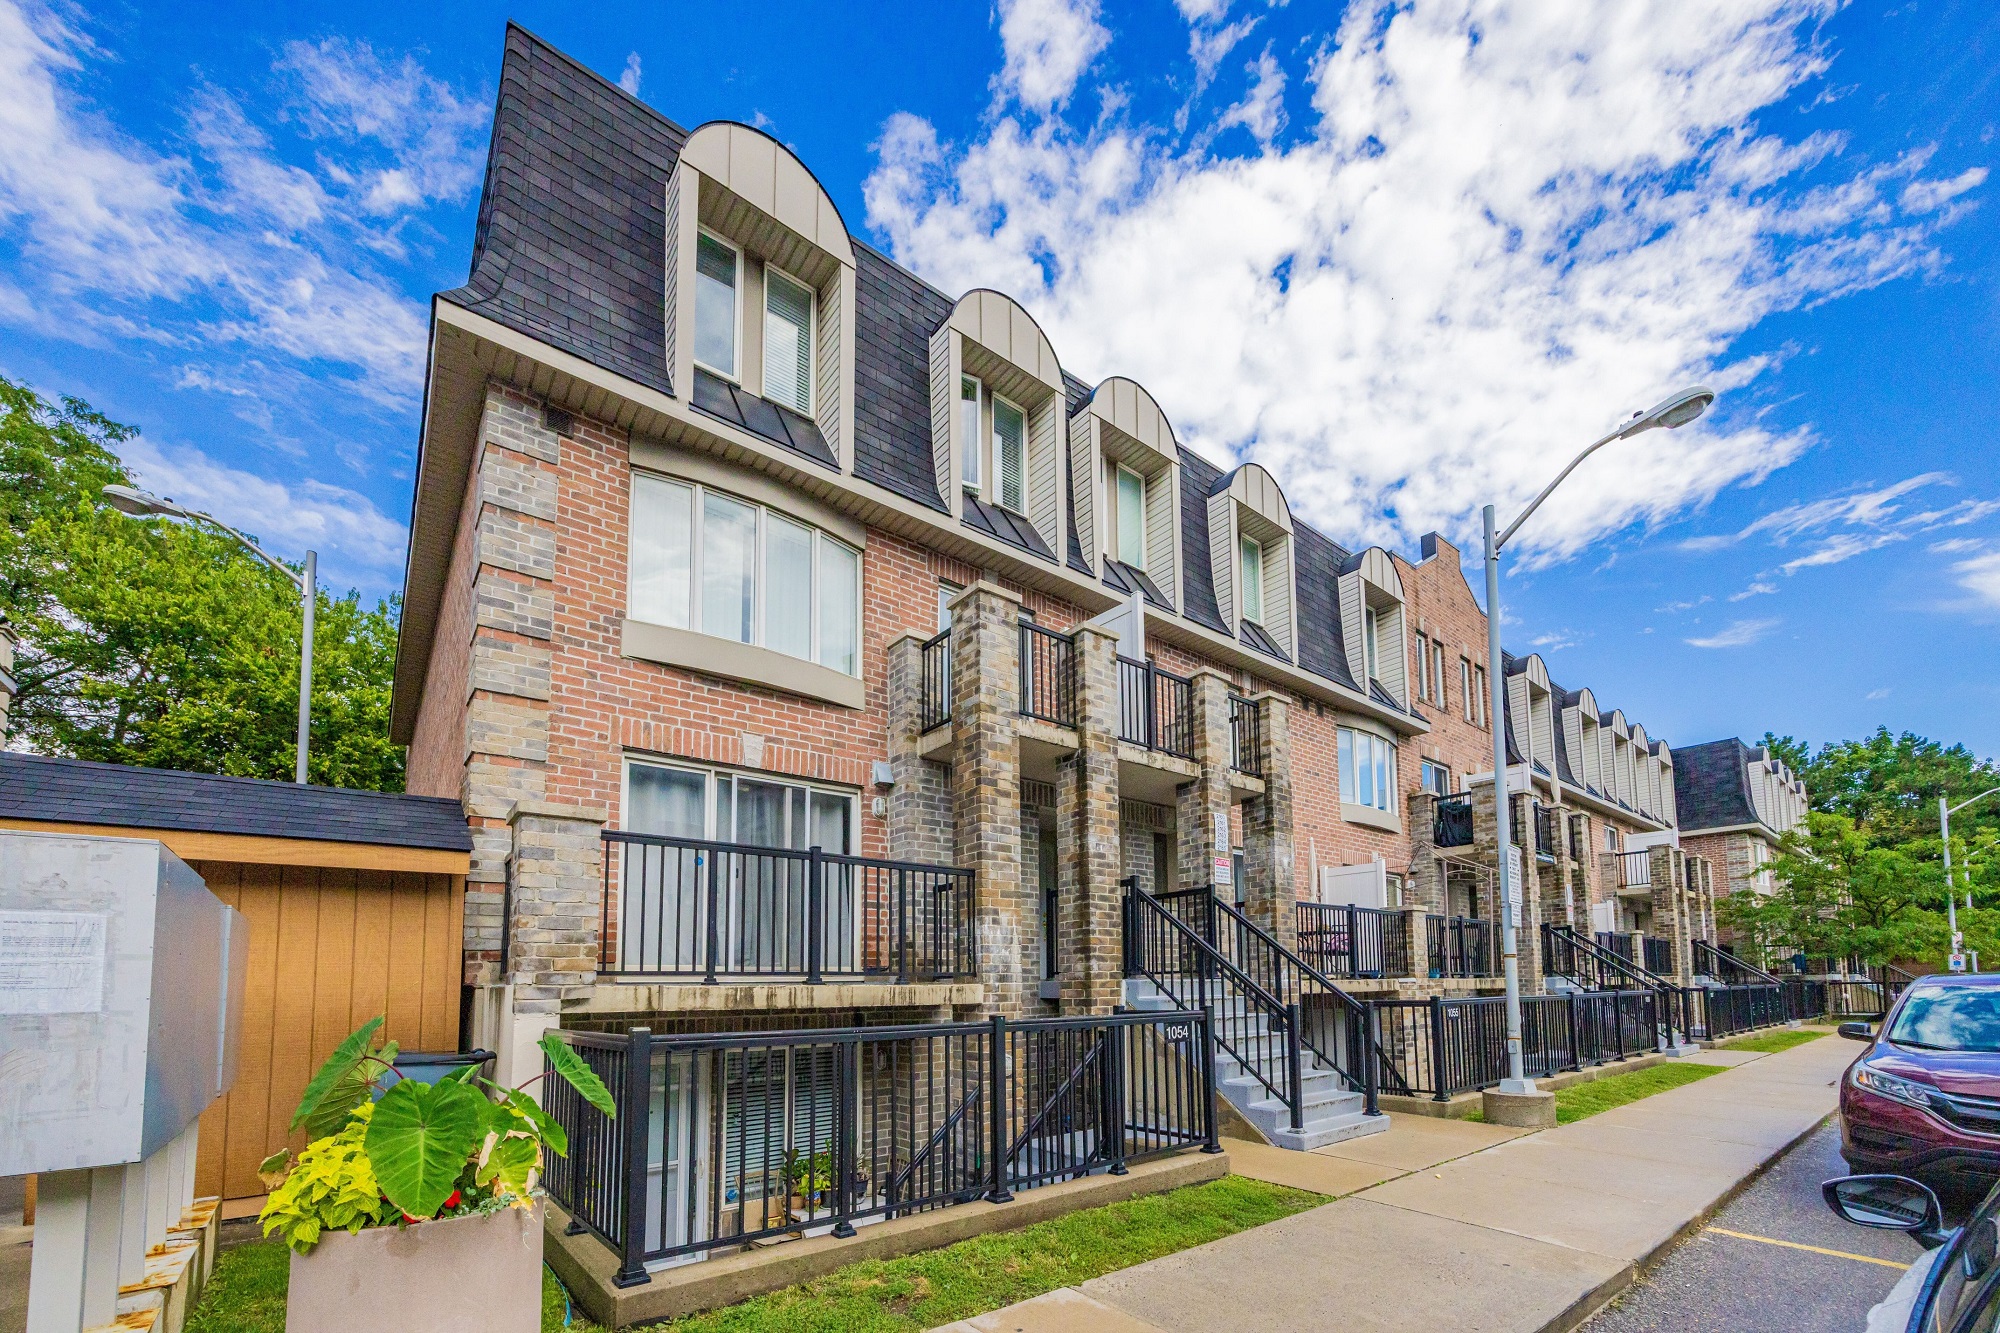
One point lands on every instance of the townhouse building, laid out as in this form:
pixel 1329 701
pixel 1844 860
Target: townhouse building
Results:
pixel 812 649
pixel 1736 802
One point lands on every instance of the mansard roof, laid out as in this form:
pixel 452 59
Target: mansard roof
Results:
pixel 570 250
pixel 1712 785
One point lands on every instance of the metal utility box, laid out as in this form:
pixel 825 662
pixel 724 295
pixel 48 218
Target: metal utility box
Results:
pixel 121 984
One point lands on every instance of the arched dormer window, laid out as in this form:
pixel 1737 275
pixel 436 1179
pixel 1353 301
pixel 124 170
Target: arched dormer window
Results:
pixel 1372 623
pixel 1580 735
pixel 1125 489
pixel 760 293
pixel 1531 714
pixel 996 422
pixel 1250 559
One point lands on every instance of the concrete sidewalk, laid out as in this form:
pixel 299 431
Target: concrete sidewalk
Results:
pixel 1466 1226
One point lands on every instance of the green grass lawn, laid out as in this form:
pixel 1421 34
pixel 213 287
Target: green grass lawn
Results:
pixel 919 1291
pixel 1772 1042
pixel 1587 1099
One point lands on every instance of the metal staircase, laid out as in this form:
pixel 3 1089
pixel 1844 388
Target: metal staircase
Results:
pixel 1295 1055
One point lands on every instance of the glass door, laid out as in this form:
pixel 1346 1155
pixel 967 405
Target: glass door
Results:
pixel 663 899
pixel 767 911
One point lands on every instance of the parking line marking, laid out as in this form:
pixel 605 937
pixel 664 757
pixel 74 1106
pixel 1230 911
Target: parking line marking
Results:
pixel 1794 1245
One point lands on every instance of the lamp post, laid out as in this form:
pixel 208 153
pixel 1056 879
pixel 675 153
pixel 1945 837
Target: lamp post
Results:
pixel 1676 411
pixel 1950 906
pixel 144 504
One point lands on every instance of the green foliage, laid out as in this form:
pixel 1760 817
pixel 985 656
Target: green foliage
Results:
pixel 566 1062
pixel 420 1139
pixel 164 643
pixel 335 1083
pixel 1770 1043
pixel 1588 1099
pixel 1841 893
pixel 332 1187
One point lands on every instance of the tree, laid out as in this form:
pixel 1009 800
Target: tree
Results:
pixel 166 644
pixel 1839 895
pixel 1889 785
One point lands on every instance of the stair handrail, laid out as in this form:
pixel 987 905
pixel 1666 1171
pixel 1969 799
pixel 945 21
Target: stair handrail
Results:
pixel 937 1140
pixel 1275 1013
pixel 1674 1000
pixel 1358 1012
pixel 1729 961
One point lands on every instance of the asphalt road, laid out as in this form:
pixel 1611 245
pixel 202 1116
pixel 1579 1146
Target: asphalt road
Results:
pixel 1717 1283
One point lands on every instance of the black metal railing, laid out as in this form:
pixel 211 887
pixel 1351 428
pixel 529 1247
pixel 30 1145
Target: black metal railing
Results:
pixel 686 907
pixel 1451 826
pixel 1276 1015
pixel 1715 1012
pixel 721 1140
pixel 1545 832
pixel 1246 735
pixel 1726 967
pixel 1048 675
pixel 1805 999
pixel 1155 708
pixel 1659 956
pixel 1440 1048
pixel 1460 946
pixel 1341 940
pixel 1624 943
pixel 934 696
pixel 1589 964
pixel 1635 869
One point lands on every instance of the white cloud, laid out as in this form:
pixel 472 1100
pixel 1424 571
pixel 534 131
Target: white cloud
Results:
pixel 629 80
pixel 1556 641
pixel 1839 527
pixel 1876 694
pixel 1048 46
pixel 1980 576
pixel 286 520
pixel 1924 196
pixel 1738 634
pixel 1499 230
pixel 1208 46
pixel 1757 589
pixel 1675 608
pixel 1262 110
pixel 228 244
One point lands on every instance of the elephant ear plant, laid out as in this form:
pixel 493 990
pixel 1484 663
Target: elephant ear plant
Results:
pixel 414 1152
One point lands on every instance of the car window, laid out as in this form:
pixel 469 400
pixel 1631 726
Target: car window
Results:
pixel 1949 1018
pixel 1982 1306
pixel 1968 1291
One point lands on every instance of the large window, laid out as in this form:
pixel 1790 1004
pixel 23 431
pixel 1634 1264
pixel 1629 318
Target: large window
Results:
pixel 788 358
pixel 1010 454
pixel 759 810
pixel 1131 518
pixel 1436 778
pixel 1367 770
pixel 716 269
pixel 1252 560
pixel 709 561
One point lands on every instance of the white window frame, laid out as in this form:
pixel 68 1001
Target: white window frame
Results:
pixel 995 493
pixel 1118 474
pixel 713 776
pixel 1371 643
pixel 733 376
pixel 972 468
pixel 759 580
pixel 1244 545
pixel 1350 739
pixel 812 339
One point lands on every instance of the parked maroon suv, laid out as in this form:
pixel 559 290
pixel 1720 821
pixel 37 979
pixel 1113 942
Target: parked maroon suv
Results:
pixel 1924 1098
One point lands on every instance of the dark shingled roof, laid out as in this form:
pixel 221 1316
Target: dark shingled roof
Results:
pixel 571 250
pixel 77 791
pixel 1712 785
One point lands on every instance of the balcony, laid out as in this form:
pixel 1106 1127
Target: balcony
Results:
pixel 1339 940
pixel 1155 708
pixel 1659 956
pixel 934 696
pixel 1451 825
pixel 1048 675
pixel 1460 946
pixel 1246 736
pixel 1545 832
pixel 1634 870
pixel 685 909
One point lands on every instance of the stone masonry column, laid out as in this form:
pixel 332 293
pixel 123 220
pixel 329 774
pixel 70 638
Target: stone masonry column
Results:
pixel 1271 895
pixel 1090 937
pixel 1425 887
pixel 986 794
pixel 1670 920
pixel 555 883
pixel 920 822
pixel 1199 804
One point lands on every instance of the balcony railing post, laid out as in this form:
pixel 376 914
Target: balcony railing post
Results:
pixel 998 1192
pixel 1295 1073
pixel 1575 1039
pixel 638 1092
pixel 815 913
pixel 848 1080
pixel 1371 1056
pixel 714 937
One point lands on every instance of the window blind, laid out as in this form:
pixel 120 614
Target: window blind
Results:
pixel 787 342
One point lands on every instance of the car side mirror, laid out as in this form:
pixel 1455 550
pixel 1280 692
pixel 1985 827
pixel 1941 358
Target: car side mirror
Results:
pixel 1856 1031
pixel 1892 1203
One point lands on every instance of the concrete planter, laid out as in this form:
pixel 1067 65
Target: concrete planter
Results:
pixel 461 1275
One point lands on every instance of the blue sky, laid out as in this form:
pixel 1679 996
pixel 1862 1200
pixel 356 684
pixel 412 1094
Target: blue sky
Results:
pixel 1407 257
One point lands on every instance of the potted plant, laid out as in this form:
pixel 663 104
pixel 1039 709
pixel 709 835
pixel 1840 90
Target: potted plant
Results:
pixel 421 1198
pixel 811 1180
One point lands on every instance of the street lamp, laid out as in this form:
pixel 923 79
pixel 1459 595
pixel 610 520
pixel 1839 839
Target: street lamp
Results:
pixel 1950 907
pixel 144 504
pixel 1676 411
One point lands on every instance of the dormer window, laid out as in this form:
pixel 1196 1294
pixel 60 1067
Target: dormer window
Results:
pixel 969 394
pixel 788 341
pixel 1371 642
pixel 717 267
pixel 997 397
pixel 1253 580
pixel 1131 517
